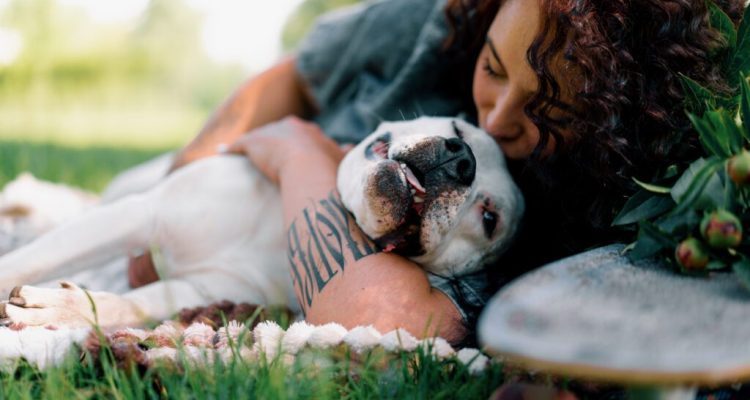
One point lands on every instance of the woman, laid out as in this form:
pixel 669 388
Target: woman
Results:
pixel 581 95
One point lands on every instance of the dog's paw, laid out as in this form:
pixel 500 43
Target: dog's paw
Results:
pixel 68 306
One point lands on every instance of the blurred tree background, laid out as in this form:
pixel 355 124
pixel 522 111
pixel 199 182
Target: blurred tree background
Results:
pixel 303 18
pixel 143 84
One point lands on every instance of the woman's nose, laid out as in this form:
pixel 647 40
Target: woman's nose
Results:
pixel 504 120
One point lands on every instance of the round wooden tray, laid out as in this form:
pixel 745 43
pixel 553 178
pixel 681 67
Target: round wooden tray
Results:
pixel 596 316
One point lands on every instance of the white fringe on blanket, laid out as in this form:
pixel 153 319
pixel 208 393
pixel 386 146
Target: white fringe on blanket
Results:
pixel 202 345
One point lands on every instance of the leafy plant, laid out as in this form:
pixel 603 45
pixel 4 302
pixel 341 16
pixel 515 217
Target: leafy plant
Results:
pixel 697 219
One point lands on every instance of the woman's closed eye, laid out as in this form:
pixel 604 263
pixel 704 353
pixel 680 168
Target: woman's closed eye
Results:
pixel 487 67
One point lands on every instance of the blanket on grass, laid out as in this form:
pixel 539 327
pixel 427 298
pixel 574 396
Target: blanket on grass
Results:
pixel 30 207
pixel 202 344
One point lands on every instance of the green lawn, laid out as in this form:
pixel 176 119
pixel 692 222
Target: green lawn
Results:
pixel 372 375
pixel 87 167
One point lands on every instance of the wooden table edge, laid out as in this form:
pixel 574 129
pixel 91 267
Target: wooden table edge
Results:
pixel 587 372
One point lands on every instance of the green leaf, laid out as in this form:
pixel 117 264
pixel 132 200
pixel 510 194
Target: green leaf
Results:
pixel 731 196
pixel 651 240
pixel 741 61
pixel 679 224
pixel 653 188
pixel 713 193
pixel 714 144
pixel 745 105
pixel 721 22
pixel 725 129
pixel 697 98
pixel 671 171
pixel 716 265
pixel 642 206
pixel 690 190
pixel 718 132
pixel 742 269
pixel 679 188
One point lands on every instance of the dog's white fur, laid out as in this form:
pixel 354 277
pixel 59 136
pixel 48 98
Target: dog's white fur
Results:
pixel 218 225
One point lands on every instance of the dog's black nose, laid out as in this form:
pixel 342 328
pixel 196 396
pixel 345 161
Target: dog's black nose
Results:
pixel 458 162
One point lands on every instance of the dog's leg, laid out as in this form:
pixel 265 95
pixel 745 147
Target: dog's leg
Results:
pixel 69 306
pixel 72 306
pixel 99 235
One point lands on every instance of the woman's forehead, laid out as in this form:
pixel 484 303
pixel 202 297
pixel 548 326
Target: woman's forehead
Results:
pixel 512 32
pixel 516 24
pixel 514 29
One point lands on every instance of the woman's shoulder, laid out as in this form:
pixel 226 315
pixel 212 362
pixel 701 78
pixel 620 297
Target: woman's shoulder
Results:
pixel 375 27
pixel 404 11
pixel 377 61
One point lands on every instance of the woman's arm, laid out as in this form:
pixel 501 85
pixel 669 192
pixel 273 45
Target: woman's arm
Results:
pixel 338 274
pixel 273 94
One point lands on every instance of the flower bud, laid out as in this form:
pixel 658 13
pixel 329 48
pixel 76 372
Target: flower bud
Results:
pixel 691 254
pixel 721 229
pixel 738 168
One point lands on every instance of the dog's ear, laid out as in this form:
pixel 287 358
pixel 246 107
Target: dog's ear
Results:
pixel 15 211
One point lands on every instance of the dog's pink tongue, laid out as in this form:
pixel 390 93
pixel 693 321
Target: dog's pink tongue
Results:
pixel 414 181
pixel 389 248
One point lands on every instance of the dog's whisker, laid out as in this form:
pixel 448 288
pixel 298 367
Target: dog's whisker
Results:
pixel 420 110
pixel 403 117
pixel 376 115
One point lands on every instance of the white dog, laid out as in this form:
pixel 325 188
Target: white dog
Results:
pixel 433 189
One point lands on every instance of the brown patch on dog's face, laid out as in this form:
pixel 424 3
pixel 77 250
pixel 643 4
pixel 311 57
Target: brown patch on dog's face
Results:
pixel 388 198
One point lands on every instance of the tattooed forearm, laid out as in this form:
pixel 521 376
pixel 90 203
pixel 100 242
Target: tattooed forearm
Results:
pixel 321 243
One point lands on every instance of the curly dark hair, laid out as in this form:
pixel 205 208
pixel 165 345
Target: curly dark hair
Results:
pixel 627 55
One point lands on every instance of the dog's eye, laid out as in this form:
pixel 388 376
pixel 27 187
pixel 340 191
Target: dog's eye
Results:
pixel 489 223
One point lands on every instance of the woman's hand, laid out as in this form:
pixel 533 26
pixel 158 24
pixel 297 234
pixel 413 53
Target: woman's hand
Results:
pixel 273 148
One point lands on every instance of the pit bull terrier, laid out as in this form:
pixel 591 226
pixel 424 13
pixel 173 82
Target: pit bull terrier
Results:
pixel 435 190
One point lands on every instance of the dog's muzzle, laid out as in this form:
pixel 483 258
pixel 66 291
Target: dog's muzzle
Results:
pixel 434 168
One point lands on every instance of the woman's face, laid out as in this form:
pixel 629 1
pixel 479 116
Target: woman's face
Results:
pixel 504 81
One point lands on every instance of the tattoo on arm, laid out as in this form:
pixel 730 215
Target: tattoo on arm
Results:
pixel 321 243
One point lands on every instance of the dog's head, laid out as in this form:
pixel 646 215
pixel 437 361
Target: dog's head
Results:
pixel 435 190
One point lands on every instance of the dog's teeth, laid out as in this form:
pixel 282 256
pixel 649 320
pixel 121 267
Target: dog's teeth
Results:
pixel 413 191
pixel 403 165
pixel 418 199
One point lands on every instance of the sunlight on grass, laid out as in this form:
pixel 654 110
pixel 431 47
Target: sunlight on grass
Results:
pixel 89 168
pixel 80 125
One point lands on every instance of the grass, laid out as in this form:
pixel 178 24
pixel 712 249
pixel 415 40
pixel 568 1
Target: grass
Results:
pixel 86 167
pixel 376 375
pixel 372 375
pixel 80 124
